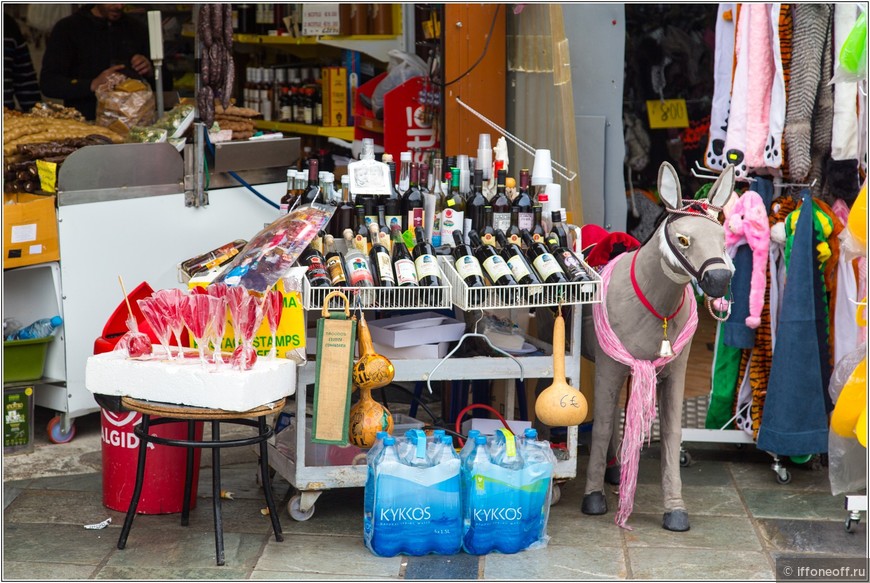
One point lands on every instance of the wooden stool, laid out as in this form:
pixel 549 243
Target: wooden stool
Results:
pixel 183 414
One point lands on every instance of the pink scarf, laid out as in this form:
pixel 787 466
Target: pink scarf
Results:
pixel 642 400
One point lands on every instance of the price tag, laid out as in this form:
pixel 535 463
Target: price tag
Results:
pixel 47 175
pixel 670 113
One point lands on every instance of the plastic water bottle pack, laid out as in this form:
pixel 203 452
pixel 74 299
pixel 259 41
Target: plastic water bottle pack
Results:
pixel 412 498
pixel 421 497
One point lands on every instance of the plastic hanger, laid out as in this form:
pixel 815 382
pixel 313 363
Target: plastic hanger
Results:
pixel 474 334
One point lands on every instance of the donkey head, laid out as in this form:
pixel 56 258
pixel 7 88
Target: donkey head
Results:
pixel 691 240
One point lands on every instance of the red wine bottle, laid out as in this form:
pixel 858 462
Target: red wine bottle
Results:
pixel 466 264
pixel 403 263
pixel 495 267
pixel 516 261
pixel 549 270
pixel 428 272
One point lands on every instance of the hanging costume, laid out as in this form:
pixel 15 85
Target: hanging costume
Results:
pixel 714 158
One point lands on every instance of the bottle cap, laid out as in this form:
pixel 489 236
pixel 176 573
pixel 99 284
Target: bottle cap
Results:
pixel 389 440
pixel 381 434
pixel 530 433
pixel 480 439
pixel 473 433
pixel 542 171
pixel 447 440
pixel 56 321
pixel 556 215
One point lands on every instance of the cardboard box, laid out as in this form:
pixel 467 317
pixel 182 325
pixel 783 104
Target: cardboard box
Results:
pixel 352 62
pixel 335 99
pixel 498 398
pixel 489 426
pixel 29 230
pixel 416 329
pixel 438 350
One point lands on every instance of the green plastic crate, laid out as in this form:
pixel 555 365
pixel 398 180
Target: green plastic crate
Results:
pixel 24 360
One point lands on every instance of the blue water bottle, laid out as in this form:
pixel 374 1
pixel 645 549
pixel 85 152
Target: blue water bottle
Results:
pixel 369 492
pixel 39 329
pixel 386 538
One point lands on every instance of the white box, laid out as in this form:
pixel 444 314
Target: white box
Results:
pixel 439 350
pixel 416 329
pixel 489 426
pixel 189 383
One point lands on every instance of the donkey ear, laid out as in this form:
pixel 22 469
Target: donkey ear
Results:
pixel 669 186
pixel 721 190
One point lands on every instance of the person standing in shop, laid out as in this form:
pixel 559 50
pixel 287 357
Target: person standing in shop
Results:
pixel 88 46
pixel 19 78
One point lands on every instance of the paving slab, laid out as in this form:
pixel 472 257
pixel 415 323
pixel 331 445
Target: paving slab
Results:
pixel 700 500
pixel 36 571
pixel 118 573
pixel 64 507
pixel 813 536
pixel 798 504
pixel 60 544
pixel 567 526
pixel 325 555
pixel 707 532
pixel 459 566
pixel 698 564
pixel 185 548
pixel 555 562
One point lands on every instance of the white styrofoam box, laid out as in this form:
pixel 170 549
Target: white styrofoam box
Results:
pixel 415 329
pixel 189 383
pixel 423 351
pixel 489 426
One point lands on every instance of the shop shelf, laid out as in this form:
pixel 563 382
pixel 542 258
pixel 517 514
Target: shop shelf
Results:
pixel 380 298
pixel 341 132
pixel 521 296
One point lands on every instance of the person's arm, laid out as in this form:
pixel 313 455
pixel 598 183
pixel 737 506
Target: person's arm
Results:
pixel 56 78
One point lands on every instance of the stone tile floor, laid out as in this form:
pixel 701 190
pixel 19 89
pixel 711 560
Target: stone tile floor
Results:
pixel 742 521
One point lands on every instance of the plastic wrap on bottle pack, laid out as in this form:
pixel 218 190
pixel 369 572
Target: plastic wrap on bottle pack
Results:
pixel 847 458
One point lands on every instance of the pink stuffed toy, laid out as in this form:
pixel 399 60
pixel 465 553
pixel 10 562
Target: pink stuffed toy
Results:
pixel 746 223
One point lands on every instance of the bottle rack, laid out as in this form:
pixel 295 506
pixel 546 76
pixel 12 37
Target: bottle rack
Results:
pixel 521 296
pixel 380 298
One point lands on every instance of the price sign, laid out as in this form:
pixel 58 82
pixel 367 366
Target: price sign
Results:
pixel 47 175
pixel 670 113
pixel 320 19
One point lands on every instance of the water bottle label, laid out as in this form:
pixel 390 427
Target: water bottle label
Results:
pixel 518 267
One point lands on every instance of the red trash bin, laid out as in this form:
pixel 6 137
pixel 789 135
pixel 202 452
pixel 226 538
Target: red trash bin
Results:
pixel 165 466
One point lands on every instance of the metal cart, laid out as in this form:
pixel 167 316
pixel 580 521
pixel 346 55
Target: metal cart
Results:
pixel 310 481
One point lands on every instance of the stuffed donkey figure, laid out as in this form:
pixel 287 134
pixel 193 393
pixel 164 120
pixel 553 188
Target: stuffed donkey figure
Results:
pixel 647 301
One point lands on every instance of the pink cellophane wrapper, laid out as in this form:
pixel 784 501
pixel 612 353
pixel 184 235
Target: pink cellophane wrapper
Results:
pixel 274 308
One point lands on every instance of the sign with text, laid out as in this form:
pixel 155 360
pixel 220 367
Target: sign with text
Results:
pixel 668 113
pixel 320 19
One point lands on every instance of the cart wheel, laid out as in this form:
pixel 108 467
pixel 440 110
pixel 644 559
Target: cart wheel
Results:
pixel 783 476
pixel 685 459
pixel 851 524
pixel 801 459
pixel 295 510
pixel 556 494
pixel 55 431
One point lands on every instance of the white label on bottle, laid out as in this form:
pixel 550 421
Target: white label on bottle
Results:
pixel 526 221
pixel 359 273
pixel 426 266
pixel 451 220
pixel 393 220
pixel 385 267
pixel 546 265
pixel 518 267
pixel 468 265
pixel 406 273
pixel 286 113
pixel 308 115
pixel 496 267
pixel 501 221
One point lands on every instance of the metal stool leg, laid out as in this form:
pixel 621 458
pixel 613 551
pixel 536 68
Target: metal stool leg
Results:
pixel 137 489
pixel 267 483
pixel 216 493
pixel 188 476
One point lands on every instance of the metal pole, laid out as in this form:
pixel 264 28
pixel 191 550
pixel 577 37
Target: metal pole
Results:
pixel 198 127
pixel 158 81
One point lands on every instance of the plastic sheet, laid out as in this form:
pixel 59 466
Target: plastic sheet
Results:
pixel 847 458
pixel 124 100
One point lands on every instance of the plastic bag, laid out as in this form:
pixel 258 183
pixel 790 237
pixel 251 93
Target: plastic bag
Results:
pixel 847 458
pixel 293 283
pixel 402 66
pixel 123 102
pixel 852 66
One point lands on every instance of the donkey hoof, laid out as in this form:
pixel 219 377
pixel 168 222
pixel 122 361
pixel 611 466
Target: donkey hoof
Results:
pixel 594 504
pixel 676 520
pixel 613 475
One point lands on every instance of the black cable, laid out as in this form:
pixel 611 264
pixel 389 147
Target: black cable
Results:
pixel 482 55
pixel 419 402
pixel 238 178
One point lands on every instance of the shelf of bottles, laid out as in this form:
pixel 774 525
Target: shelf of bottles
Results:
pixel 380 298
pixel 520 295
pixel 253 39
pixel 342 132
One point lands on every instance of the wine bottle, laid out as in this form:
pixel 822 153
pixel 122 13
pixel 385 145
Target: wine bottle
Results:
pixel 501 206
pixel 466 264
pixel 428 272
pixel 453 215
pixel 381 266
pixel 312 192
pixel 334 263
pixel 412 202
pixel 403 263
pixel 316 275
pixel 537 230
pixel 516 261
pixel 495 267
pixel 358 272
pixel 404 172
pixel 546 266
pixel 361 237
pixel 524 203
pixel 393 204
pixel 487 232
pixel 475 204
pixel 513 232
pixel 569 262
pixel 438 238
pixel 345 214
pixel 558 228
pixel 289 199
